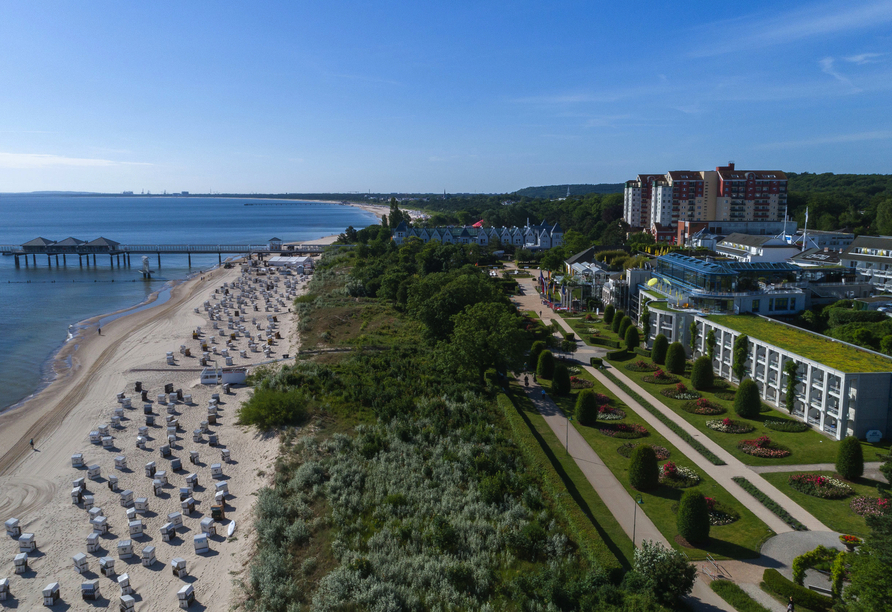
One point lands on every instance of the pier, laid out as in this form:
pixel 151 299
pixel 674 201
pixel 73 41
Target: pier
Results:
pixel 120 253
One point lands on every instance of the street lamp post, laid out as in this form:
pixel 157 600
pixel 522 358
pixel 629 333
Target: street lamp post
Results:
pixel 638 502
pixel 567 444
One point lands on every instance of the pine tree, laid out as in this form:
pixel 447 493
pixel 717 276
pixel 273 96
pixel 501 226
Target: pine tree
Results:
pixel 747 403
pixel 675 358
pixel 693 517
pixel 850 458
pixel 702 376
pixel 644 472
pixel 632 338
pixel 658 351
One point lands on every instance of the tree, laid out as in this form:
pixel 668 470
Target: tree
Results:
pixel 886 344
pixel 667 573
pixel 575 242
pixel 884 217
pixel 486 335
pixel 692 332
pixel 587 407
pixel 710 345
pixel 560 383
pixel 658 351
pixel 437 298
pixel 624 325
pixel 608 313
pixel 791 369
pixel 632 338
pixel 675 358
pixel 553 259
pixel 645 321
pixel 545 367
pixel 617 320
pixel 747 403
pixel 523 255
pixel 741 350
pixel 396 216
pixel 644 472
pixel 850 458
pixel 870 588
pixel 702 376
pixel 693 517
pixel 535 350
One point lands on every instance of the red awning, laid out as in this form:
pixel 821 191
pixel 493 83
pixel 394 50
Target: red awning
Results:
pixel 478 224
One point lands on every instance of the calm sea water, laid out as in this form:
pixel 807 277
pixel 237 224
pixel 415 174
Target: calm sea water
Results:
pixel 39 303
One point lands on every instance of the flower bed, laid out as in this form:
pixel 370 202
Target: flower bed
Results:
pixel 870 506
pixel 730 426
pixel 763 447
pixel 728 396
pixel 678 477
pixel 705 407
pixel 660 378
pixel 642 366
pixel 626 449
pixel 680 392
pixel 788 426
pixel 580 383
pixel 574 370
pixel 625 431
pixel 820 486
pixel 719 514
pixel 606 413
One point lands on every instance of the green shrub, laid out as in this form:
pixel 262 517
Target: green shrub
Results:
pixel 774 581
pixel 605 342
pixel 633 339
pixel 850 458
pixel 608 314
pixel 560 384
pixel 666 573
pixel 702 375
pixel 675 358
pixel 644 472
pixel 596 362
pixel 693 517
pixel 268 408
pixel 617 320
pixel 545 366
pixel 739 355
pixel 587 407
pixel 843 316
pixel 736 597
pixel 624 325
pixel 658 350
pixel 535 351
pixel 620 354
pixel 642 351
pixel 746 402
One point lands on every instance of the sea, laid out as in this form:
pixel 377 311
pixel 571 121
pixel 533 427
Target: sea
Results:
pixel 42 305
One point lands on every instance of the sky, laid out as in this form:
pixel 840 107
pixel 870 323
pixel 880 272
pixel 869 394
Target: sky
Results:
pixel 336 96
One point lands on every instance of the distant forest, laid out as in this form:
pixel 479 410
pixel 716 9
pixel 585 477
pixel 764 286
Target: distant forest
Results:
pixel 552 192
pixel 860 202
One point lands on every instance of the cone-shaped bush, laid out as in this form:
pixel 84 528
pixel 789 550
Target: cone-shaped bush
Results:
pixel 608 314
pixel 850 458
pixel 675 358
pixel 633 339
pixel 702 376
pixel 545 367
pixel 624 326
pixel 693 517
pixel 535 351
pixel 617 319
pixel 746 401
pixel 560 384
pixel 644 473
pixel 587 407
pixel 658 352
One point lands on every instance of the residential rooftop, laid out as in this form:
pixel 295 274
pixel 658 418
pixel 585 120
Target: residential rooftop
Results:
pixel 832 353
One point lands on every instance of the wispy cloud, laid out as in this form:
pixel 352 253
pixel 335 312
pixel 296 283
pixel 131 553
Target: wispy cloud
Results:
pixel 864 58
pixel 780 28
pixel 840 138
pixel 27 161
pixel 827 67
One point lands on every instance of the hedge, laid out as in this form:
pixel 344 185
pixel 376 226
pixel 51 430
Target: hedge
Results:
pixel 642 351
pixel 596 362
pixel 579 525
pixel 736 597
pixel 842 316
pixel 769 503
pixel 605 342
pixel 675 427
pixel 620 354
pixel 773 581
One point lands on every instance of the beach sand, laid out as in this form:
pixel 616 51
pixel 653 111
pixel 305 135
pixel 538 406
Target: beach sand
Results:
pixel 35 485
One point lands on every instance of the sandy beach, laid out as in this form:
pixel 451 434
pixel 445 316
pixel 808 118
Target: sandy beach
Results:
pixel 36 485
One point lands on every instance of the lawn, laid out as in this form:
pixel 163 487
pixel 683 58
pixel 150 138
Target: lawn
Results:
pixel 739 540
pixel 835 513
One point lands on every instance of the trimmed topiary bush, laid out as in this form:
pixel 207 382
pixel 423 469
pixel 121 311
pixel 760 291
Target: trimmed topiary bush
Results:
pixel 644 471
pixel 560 384
pixel 658 351
pixel 624 325
pixel 675 358
pixel 545 366
pixel 693 517
pixel 747 403
pixel 617 319
pixel 535 351
pixel 850 458
pixel 608 314
pixel 632 338
pixel 587 407
pixel 702 375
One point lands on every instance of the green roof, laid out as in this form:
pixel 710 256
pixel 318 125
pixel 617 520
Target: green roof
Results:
pixel 832 353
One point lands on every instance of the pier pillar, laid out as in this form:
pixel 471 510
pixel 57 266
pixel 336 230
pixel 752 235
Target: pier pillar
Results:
pixel 16 261
pixel 119 261
pixel 111 261
pixel 65 260
pixel 80 261
pixel 57 261
pixel 189 255
pixel 49 261
pixel 94 258
pixel 159 260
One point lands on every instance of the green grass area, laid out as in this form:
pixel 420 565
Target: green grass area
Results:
pixel 737 597
pixel 577 485
pixel 806 447
pixel 739 540
pixel 835 513
pixel 811 346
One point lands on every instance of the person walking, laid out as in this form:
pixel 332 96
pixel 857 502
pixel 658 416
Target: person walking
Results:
pixel 32 443
pixel 99 330
pixel 790 605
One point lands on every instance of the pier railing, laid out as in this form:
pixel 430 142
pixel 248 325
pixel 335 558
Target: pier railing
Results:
pixel 14 249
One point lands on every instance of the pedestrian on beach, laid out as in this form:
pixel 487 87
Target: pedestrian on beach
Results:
pixel 99 330
pixel 32 443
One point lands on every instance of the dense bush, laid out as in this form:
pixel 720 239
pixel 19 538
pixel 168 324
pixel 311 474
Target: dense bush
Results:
pixel 675 358
pixel 587 407
pixel 268 407
pixel 632 338
pixel 545 367
pixel 535 351
pixel 693 517
pixel 608 314
pixel 618 317
pixel 560 384
pixel 775 582
pixel 624 326
pixel 843 316
pixel 850 458
pixel 596 362
pixel 659 348
pixel 702 375
pixel 644 471
pixel 747 402
pixel 666 573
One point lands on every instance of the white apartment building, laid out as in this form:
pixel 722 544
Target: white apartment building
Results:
pixel 871 256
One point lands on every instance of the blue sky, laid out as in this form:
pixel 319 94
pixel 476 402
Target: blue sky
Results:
pixel 432 96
